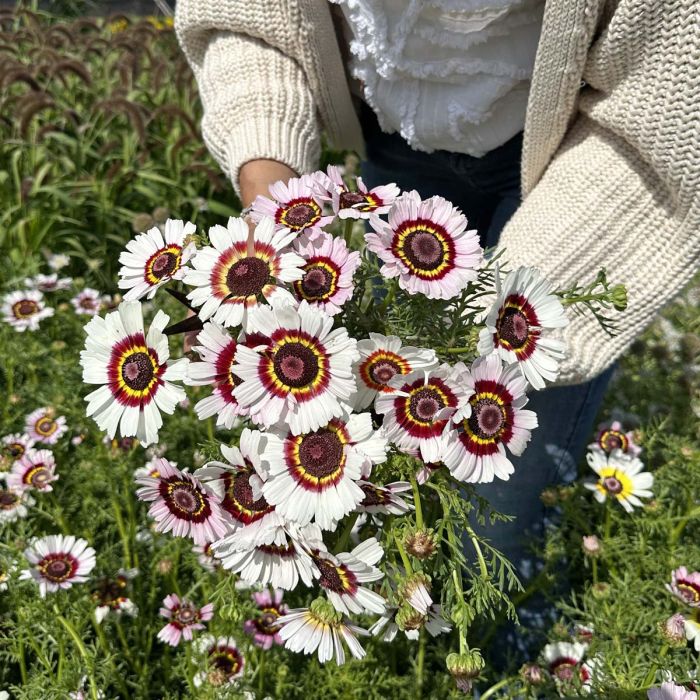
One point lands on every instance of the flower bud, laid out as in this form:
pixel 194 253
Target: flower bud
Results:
pixel 464 668
pixel 141 222
pixel 216 677
pixel 323 610
pixel 532 674
pixel 673 630
pixel 592 546
pixel 164 566
pixel 550 497
pixel 600 590
pixel 408 618
pixel 618 297
pixel 421 544
pixel 161 214
pixel 415 590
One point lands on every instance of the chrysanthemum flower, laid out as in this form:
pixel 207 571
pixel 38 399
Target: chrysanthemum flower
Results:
pixel 16 445
pixel 328 270
pixel 294 207
pixel 384 499
pixel 152 468
pixel 181 504
pixel 44 426
pixel 621 478
pixel 13 504
pixel 58 561
pixel 35 470
pixel 224 660
pixel 381 359
pixel 685 586
pixel 475 450
pixel 109 595
pixel 134 371
pixel 218 352
pixel 48 283
pixel 87 302
pixel 263 627
pixel 304 377
pixel 355 204
pixel 419 409
pixel 154 258
pixel 671 691
pixel 426 245
pixel 612 436
pixel 321 628
pixel 24 310
pixel 564 661
pixel 517 324
pixel 238 483
pixel 184 618
pixel 341 576
pixel 229 281
pixel 312 476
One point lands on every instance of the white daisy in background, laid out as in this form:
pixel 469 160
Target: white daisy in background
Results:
pixel 619 477
pixel 48 283
pixel 328 270
pixel 671 691
pixel 475 449
pixel 223 659
pixel 134 372
pixel 217 350
pixel 181 504
pixel 418 411
pixel 7 570
pixel 36 470
pixel 87 302
pixel 313 476
pixel 517 325
pixel 341 576
pixel 43 425
pixel 612 436
pixel 57 261
pixel 426 245
pixel 303 377
pixel 295 207
pixel 685 585
pixel 229 281
pixel 564 660
pixel 153 258
pixel 320 629
pixel 381 359
pixel 24 310
pixel 14 504
pixel 16 445
pixel 184 618
pixel 205 556
pixel 384 499
pixel 354 204
pixel 58 561
pixel 152 468
pixel 109 595
pixel 238 482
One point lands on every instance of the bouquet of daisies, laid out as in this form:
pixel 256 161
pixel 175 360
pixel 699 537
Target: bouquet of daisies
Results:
pixel 372 364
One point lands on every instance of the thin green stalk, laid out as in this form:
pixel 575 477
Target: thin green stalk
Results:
pixel 608 521
pixel 420 664
pixel 345 535
pixel 261 672
pixel 123 534
pixel 108 654
pixel 347 233
pixel 495 688
pixel 649 679
pixel 22 661
pixel 81 650
pixel 417 502
pixel 404 556
pixel 479 554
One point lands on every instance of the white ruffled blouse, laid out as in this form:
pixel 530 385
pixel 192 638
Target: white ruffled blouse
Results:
pixel 446 74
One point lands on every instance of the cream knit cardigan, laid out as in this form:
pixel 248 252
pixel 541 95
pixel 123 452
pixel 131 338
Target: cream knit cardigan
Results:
pixel 611 155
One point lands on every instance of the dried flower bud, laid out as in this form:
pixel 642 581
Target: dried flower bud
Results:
pixel 532 674
pixel 600 590
pixel 687 452
pixel 560 630
pixel 421 544
pixel 592 546
pixel 58 345
pixel 673 630
pixel 618 297
pixel 464 668
pixel 408 618
pixel 164 566
pixel 161 214
pixel 141 222
pixel 216 677
pixel 550 497
pixel 14 398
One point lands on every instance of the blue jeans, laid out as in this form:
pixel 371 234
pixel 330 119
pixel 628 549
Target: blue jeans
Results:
pixel 487 190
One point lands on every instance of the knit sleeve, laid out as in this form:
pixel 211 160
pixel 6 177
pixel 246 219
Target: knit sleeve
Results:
pixel 256 99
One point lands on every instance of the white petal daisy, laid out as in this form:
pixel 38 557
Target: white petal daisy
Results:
pixel 620 477
pixel 24 310
pixel 87 302
pixel 14 504
pixel 48 283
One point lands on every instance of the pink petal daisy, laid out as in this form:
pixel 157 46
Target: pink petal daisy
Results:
pixel 612 436
pixel 426 245
pixel 42 425
pixel 517 324
pixel 416 414
pixel 181 504
pixel 229 282
pixel 685 586
pixel 134 370
pixel 494 419
pixel 263 627
pixel 35 470
pixel 294 207
pixel 87 302
pixel 564 660
pixel 16 445
pixel 327 281
pixel 154 258
pixel 24 310
pixel 671 691
pixel 14 504
pixel 48 283
pixel 58 561
pixel 304 377
pixel 184 618
pixel 381 359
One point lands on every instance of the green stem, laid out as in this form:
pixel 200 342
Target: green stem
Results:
pixel 81 650
pixel 608 522
pixel 452 351
pixel 404 556
pixel 123 534
pixel 678 530
pixel 347 234
pixel 594 566
pixel 420 664
pixel 479 554
pixel 108 654
pixel 261 672
pixel 649 679
pixel 22 661
pixel 391 294
pixel 345 535
pixel 495 688
pixel 417 503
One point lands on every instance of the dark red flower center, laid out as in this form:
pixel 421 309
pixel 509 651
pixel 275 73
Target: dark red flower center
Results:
pixel 564 669
pixel 513 327
pixel 384 371
pixel 299 215
pixel 349 200
pixel 317 282
pixel 164 264
pixel 424 249
pixel 227 660
pixel 266 622
pixel 25 308
pixel 46 426
pixel 248 277
pixel 425 403
pixel 186 498
pixel 334 578
pixel 321 453
pixel 138 371
pixel 238 499
pixel 88 303
pixel 15 449
pixel 57 567
pixel 186 614
pixel 38 476
pixel 487 419
pixel 610 440
pixel 8 500
pixel 689 591
pixel 612 485
pixel 296 365
pixel 373 496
